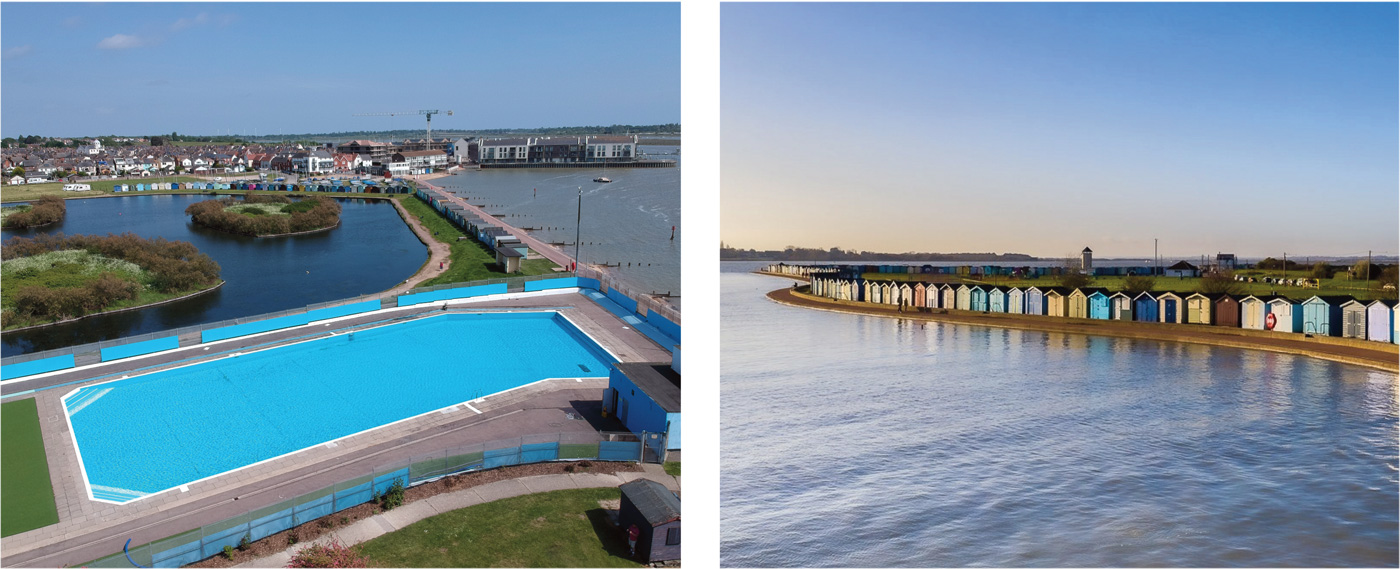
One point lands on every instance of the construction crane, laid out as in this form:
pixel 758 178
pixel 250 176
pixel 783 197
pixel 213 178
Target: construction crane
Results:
pixel 429 114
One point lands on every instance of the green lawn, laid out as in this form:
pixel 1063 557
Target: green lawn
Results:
pixel 26 192
pixel 26 494
pixel 566 528
pixel 672 468
pixel 472 260
pixel 1342 286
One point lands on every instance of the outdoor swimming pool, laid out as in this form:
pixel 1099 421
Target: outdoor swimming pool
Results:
pixel 155 432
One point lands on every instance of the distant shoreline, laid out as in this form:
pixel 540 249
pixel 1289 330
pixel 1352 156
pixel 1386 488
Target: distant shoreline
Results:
pixel 1385 357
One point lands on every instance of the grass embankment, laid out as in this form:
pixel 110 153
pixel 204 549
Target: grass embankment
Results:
pixel 26 493
pixel 1189 285
pixel 29 192
pixel 566 528
pixel 472 260
pixel 672 468
pixel 52 278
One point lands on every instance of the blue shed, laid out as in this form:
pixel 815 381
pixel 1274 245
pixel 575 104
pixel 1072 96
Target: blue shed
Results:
pixel 996 299
pixel 646 397
pixel 1145 307
pixel 1035 301
pixel 1322 315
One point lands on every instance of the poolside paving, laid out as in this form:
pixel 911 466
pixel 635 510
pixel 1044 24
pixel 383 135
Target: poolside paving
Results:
pixel 88 530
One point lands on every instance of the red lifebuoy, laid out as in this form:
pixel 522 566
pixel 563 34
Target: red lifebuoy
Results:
pixel 1270 321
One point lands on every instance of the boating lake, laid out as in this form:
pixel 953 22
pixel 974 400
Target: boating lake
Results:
pixel 850 440
pixel 371 251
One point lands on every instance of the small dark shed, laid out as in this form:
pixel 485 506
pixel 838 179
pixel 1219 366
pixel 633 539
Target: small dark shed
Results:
pixel 657 512
pixel 1226 312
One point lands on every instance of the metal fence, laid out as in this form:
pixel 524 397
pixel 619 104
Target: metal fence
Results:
pixel 209 540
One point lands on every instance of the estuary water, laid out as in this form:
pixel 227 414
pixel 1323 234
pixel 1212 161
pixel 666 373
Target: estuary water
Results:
pixel 372 250
pixel 627 221
pixel 853 440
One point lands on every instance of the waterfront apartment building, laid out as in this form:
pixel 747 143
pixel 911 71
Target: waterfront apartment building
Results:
pixel 314 162
pixel 558 149
pixel 421 161
pixel 376 151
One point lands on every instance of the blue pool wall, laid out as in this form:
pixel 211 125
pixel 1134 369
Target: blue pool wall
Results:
pixel 140 348
pixel 622 300
pixel 343 310
pixel 451 293
pixel 33 367
pixel 665 325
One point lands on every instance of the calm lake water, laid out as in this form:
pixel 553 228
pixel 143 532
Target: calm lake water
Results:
pixel 853 440
pixel 371 251
pixel 626 221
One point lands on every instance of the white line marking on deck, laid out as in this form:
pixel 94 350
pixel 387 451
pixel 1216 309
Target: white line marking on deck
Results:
pixel 469 406
pixel 185 488
pixel 330 444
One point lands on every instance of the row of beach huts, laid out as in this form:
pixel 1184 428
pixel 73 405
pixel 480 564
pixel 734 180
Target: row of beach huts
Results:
pixel 1341 316
pixel 508 248
pixel 348 188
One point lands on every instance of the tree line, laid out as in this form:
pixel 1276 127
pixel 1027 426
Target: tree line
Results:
pixel 46 210
pixel 306 215
pixel 173 267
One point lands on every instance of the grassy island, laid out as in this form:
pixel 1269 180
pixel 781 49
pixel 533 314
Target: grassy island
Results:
pixel 266 215
pixel 50 278
pixel 46 210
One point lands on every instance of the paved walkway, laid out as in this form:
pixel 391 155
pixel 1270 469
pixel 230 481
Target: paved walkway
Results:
pixel 401 517
pixel 439 254
pixel 548 251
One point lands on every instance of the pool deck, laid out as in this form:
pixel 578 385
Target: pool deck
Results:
pixel 89 530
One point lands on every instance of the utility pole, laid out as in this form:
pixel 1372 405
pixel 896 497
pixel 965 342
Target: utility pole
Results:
pixel 1285 265
pixel 1155 258
pixel 578 229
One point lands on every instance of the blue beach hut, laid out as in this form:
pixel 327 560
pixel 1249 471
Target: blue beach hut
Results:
pixel 1322 315
pixel 1170 308
pixel 996 300
pixel 1099 306
pixel 1145 307
pixel 977 297
pixel 1287 313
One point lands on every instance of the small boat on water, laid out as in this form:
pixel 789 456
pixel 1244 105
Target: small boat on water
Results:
pixel 601 180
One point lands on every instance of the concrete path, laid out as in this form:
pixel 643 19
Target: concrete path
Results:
pixel 546 250
pixel 439 254
pixel 403 516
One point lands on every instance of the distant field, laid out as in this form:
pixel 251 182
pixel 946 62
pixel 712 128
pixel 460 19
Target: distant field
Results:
pixel 1342 287
pixel 26 192
pixel 26 492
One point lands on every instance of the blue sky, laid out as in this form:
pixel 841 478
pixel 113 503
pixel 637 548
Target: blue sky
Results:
pixel 1042 128
pixel 74 69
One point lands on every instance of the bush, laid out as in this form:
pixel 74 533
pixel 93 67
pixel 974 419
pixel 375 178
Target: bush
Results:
pixel 245 542
pixel 46 210
pixel 1220 282
pixel 391 498
pixel 330 555
pixel 228 552
pixel 306 215
pixel 1138 284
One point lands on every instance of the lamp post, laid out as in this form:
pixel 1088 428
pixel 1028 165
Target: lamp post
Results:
pixel 578 228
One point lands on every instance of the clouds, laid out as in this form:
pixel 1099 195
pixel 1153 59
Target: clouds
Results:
pixel 184 23
pixel 121 41
pixel 17 52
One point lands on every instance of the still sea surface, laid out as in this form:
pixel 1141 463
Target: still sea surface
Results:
pixel 853 440
pixel 371 251
pixel 625 222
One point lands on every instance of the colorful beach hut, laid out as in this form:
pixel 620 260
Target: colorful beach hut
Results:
pixel 949 297
pixel 1287 313
pixel 1035 301
pixel 1354 319
pixel 1015 301
pixel 1099 305
pixel 1120 306
pixel 996 299
pixel 964 297
pixel 1253 311
pixel 1322 315
pixel 1198 309
pixel 1225 311
pixel 1055 302
pixel 1145 307
pixel 977 299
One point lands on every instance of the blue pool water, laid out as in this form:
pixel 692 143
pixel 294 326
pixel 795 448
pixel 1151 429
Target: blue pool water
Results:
pixel 154 432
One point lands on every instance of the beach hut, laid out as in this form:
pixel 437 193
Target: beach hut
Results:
pixel 1395 324
pixel 1287 315
pixel 1253 311
pixel 656 512
pixel 1225 311
pixel 906 295
pixel 1077 304
pixel 869 291
pixel 1035 301
pixel 1170 308
pixel 920 295
pixel 1015 301
pixel 996 299
pixel 1354 319
pixel 1099 305
pixel 977 299
pixel 1379 320
pixel 1121 306
pixel 1145 307
pixel 949 297
pixel 1322 315
pixel 1055 302
pixel 1198 309
pixel 964 299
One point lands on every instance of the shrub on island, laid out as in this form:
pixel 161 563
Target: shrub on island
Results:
pixel 46 210
pixel 308 214
pixel 82 274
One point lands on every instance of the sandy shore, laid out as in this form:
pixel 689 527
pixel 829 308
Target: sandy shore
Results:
pixel 1377 355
